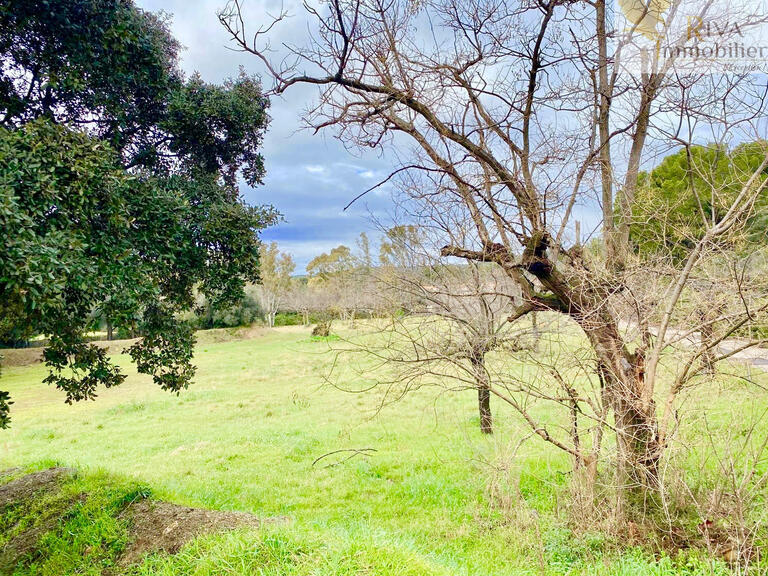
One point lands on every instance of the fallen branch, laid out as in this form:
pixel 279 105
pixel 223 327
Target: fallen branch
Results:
pixel 355 452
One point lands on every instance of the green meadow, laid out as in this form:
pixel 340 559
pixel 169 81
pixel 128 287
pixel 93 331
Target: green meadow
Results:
pixel 429 495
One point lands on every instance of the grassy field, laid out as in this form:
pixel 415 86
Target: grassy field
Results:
pixel 435 497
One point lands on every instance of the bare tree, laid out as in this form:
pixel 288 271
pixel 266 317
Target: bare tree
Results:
pixel 300 299
pixel 457 314
pixel 335 275
pixel 520 113
pixel 275 269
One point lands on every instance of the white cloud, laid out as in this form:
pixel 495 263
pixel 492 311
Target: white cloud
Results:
pixel 314 168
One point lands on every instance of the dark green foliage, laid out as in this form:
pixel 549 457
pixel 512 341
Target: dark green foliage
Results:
pixel 110 68
pixel 67 59
pixel 166 350
pixel 78 368
pixel 63 211
pixel 5 407
pixel 219 128
pixel 243 313
pixel 81 234
pixel 118 189
pixel 687 191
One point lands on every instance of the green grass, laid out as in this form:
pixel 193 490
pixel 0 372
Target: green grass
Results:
pixel 80 528
pixel 244 437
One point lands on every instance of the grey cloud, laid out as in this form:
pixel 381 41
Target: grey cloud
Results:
pixel 310 178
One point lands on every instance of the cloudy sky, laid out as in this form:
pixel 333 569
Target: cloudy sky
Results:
pixel 310 178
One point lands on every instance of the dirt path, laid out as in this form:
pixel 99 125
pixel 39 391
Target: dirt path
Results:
pixel 753 356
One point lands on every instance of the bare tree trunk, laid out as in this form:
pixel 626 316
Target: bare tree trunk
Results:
pixel 109 329
pixel 603 123
pixel 622 372
pixel 637 433
pixel 483 393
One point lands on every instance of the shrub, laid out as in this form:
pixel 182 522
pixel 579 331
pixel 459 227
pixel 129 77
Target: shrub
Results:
pixel 322 329
pixel 244 313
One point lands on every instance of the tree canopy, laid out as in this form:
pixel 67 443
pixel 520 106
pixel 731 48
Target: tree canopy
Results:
pixel 275 269
pixel 111 69
pixel 118 188
pixel 691 190
pixel 329 264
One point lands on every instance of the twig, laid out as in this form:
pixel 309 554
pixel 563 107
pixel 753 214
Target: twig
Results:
pixel 355 452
